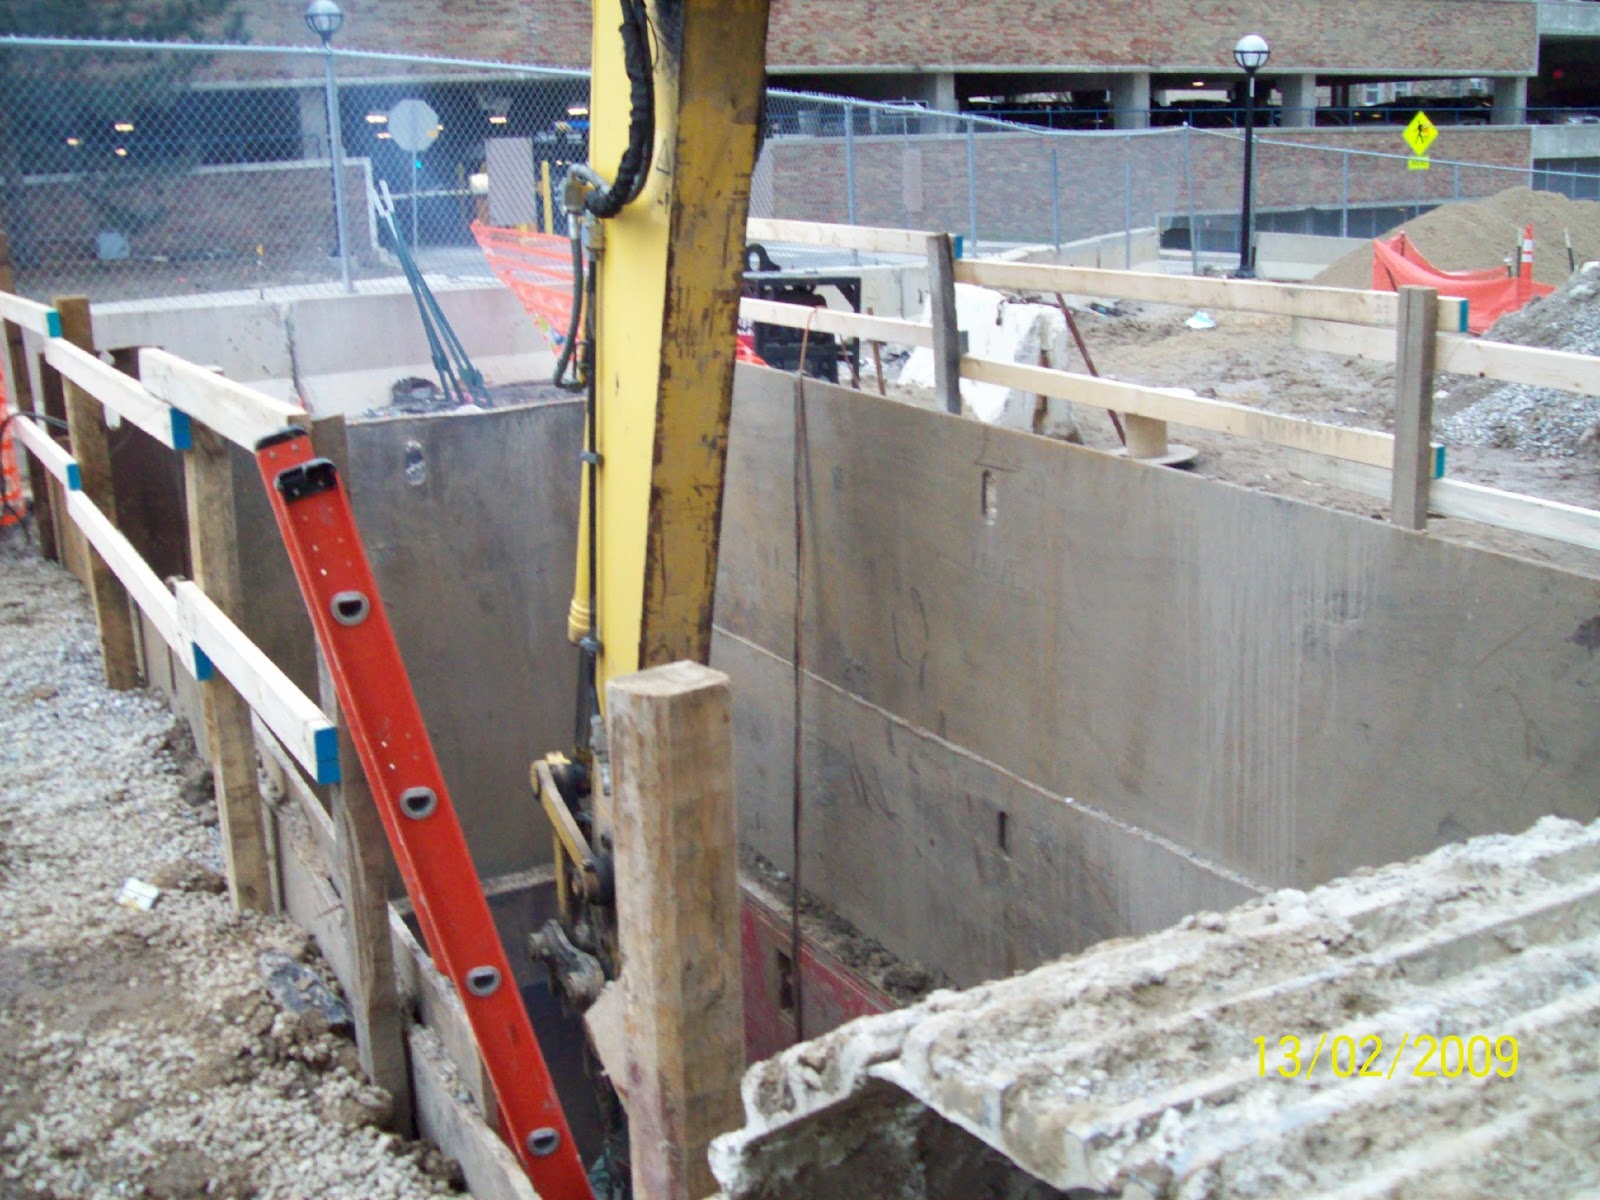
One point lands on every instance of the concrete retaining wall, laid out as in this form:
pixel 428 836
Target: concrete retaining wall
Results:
pixel 340 354
pixel 1111 695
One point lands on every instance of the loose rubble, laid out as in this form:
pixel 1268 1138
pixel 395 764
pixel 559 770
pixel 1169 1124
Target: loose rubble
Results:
pixel 141 1053
pixel 1536 422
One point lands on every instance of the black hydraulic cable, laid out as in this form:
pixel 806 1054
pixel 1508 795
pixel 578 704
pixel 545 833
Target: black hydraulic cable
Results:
pixel 568 347
pixel 588 686
pixel 608 201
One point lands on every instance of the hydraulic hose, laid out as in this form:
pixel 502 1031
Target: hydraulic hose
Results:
pixel 609 200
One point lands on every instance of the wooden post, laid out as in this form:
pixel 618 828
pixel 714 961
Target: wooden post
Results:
pixel 19 389
pixel 678 920
pixel 362 873
pixel 946 327
pixel 1416 339
pixel 214 558
pixel 86 427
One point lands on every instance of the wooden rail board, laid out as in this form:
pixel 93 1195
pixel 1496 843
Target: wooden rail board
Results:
pixel 141 582
pixel 31 315
pixel 289 713
pixel 241 414
pixel 1243 295
pixel 1180 407
pixel 1461 355
pixel 49 452
pixel 910 242
pixel 122 394
pixel 837 322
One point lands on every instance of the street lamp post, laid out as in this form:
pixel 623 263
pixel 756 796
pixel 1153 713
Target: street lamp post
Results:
pixel 1251 54
pixel 324 18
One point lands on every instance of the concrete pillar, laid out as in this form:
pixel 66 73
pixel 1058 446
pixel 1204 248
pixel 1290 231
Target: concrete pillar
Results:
pixel 1510 101
pixel 941 93
pixel 313 123
pixel 1130 100
pixel 1299 100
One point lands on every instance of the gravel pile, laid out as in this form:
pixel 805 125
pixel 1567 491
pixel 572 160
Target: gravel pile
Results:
pixel 141 1054
pixel 1536 422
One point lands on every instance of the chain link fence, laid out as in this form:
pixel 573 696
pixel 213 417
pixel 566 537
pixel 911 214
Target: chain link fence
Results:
pixel 131 171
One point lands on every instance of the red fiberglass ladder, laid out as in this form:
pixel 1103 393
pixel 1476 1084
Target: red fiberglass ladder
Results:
pixel 353 630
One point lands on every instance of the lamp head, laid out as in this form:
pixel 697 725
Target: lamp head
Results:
pixel 324 17
pixel 1251 52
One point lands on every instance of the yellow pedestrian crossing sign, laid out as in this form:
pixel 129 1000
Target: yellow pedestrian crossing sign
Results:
pixel 1420 133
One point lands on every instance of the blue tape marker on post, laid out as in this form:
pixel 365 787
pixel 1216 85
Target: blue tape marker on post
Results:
pixel 326 743
pixel 52 322
pixel 204 669
pixel 74 478
pixel 182 430
pixel 1438 462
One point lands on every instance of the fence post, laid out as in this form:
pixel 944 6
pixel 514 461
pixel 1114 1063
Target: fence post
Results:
pixel 86 428
pixel 1456 173
pixel 361 869
pixel 946 327
pixel 1055 199
pixel 850 162
pixel 19 390
pixel 972 182
pixel 1416 338
pixel 214 562
pixel 1344 197
pixel 677 920
pixel 1188 192
pixel 1127 202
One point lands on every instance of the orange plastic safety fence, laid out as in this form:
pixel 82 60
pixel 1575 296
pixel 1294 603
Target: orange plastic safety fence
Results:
pixel 13 508
pixel 537 267
pixel 1489 293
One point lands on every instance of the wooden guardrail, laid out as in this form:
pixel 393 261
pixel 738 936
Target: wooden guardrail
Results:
pixel 248 704
pixel 1406 467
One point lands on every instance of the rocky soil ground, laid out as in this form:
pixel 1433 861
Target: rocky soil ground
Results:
pixel 141 1052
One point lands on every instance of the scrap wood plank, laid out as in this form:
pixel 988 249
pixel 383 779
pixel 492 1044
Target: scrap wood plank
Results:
pixel 440 1009
pixel 490 1169
pixel 239 413
pixel 122 394
pixel 910 242
pixel 289 713
pixel 1244 295
pixel 836 321
pixel 1184 408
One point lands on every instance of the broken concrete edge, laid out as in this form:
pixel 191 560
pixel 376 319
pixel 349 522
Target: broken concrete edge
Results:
pixel 1494 888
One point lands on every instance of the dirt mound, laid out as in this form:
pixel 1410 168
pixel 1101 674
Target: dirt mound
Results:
pixel 1541 422
pixel 1483 233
